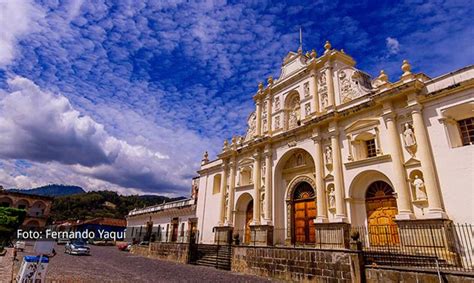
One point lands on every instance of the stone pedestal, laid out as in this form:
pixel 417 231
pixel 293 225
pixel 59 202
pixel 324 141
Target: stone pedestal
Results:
pixel 261 235
pixel 223 235
pixel 332 235
pixel 432 237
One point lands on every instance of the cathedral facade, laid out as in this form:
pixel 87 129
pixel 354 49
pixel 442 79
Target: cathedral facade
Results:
pixel 329 148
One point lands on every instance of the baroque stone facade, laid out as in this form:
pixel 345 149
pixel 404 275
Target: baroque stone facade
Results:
pixel 329 144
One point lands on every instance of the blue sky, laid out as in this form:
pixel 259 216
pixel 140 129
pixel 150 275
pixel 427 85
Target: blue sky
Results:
pixel 127 95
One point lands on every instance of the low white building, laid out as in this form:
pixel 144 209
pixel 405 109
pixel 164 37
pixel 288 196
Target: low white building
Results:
pixel 168 222
pixel 329 147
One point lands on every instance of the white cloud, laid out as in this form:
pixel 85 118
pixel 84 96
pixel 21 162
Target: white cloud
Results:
pixel 393 45
pixel 44 128
pixel 17 18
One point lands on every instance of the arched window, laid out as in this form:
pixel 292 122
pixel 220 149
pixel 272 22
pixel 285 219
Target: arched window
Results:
pixel 303 191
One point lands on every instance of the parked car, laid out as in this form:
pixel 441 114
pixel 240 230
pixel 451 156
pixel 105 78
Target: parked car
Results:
pixel 77 247
pixel 124 246
pixel 20 245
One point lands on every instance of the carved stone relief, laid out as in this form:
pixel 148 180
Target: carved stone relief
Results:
pixel 252 123
pixel 353 84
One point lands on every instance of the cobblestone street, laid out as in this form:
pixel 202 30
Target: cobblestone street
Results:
pixel 107 264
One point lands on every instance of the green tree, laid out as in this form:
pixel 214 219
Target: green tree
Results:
pixel 10 221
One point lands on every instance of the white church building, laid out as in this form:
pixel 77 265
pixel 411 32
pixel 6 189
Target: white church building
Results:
pixel 329 148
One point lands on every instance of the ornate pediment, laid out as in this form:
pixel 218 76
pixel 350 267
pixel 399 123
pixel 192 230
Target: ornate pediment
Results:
pixel 292 63
pixel 362 124
pixel 412 162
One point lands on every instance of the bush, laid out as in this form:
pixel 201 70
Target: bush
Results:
pixel 10 221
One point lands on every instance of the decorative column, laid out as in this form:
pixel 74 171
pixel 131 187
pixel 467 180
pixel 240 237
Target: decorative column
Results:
pixel 230 206
pixel 322 212
pixel 256 187
pixel 268 186
pixel 223 192
pixel 269 105
pixel 314 86
pixel 435 206
pixel 330 84
pixel 259 117
pixel 401 186
pixel 337 172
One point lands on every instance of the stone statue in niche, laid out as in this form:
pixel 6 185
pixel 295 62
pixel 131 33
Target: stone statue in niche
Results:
pixel 294 115
pixel 277 103
pixel 409 136
pixel 292 120
pixel 277 122
pixel 306 89
pixel 328 154
pixel 322 80
pixel 332 198
pixel 419 185
pixel 307 109
pixel 264 110
pixel 262 201
pixel 265 127
pixel 409 139
pixel 324 100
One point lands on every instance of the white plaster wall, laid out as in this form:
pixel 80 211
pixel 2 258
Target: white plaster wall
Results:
pixel 208 208
pixel 455 166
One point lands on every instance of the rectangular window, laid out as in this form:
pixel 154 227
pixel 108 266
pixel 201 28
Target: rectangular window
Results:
pixel 466 128
pixel 371 150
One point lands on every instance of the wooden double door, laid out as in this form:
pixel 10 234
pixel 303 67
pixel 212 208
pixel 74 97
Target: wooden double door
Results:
pixel 381 207
pixel 304 213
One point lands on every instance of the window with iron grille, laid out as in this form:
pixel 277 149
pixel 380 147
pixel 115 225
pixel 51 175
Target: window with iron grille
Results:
pixel 466 128
pixel 371 150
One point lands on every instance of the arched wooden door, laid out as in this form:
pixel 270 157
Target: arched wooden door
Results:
pixel 304 213
pixel 248 220
pixel 381 208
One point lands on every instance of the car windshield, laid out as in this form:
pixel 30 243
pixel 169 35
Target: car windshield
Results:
pixel 78 243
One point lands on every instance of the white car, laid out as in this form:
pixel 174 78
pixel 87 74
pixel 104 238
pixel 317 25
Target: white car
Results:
pixel 77 247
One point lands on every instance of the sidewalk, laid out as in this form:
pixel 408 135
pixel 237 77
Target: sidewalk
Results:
pixel 6 264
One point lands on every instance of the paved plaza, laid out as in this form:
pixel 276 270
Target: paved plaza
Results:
pixel 107 264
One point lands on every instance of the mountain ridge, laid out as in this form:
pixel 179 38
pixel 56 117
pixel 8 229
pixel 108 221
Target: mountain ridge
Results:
pixel 51 190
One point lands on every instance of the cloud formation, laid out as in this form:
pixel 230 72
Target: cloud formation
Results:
pixel 17 18
pixel 42 127
pixel 123 85
pixel 393 45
